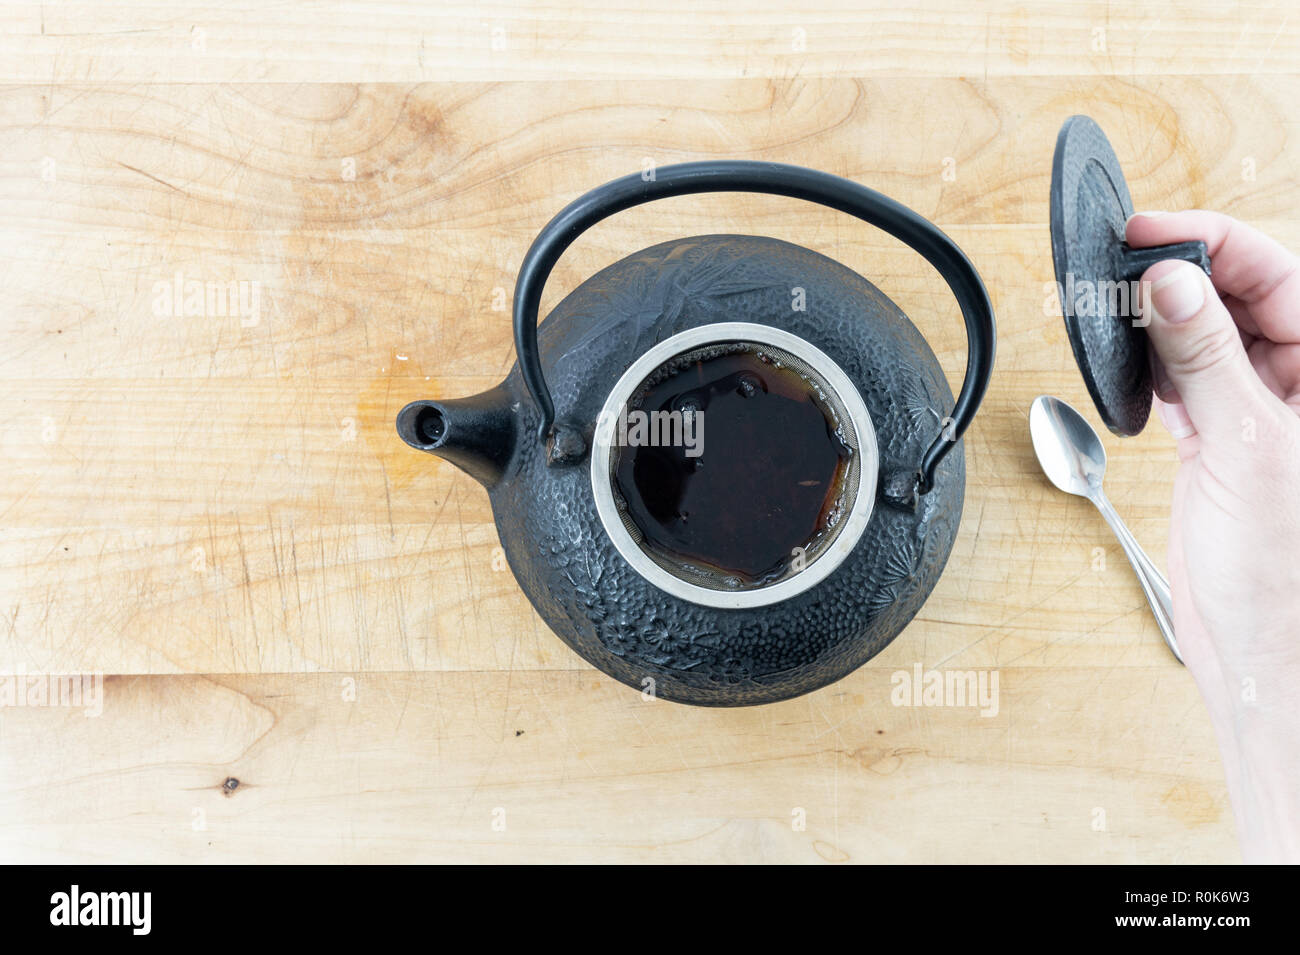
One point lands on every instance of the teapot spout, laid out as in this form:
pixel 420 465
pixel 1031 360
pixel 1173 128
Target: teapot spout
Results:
pixel 477 434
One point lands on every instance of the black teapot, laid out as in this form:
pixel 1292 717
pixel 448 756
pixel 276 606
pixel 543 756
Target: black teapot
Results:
pixel 723 469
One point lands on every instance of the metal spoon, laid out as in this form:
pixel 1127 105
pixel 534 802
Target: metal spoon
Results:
pixel 1074 460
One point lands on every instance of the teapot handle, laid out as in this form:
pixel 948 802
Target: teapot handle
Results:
pixel 780 180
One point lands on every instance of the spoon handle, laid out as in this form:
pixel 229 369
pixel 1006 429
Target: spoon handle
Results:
pixel 1153 582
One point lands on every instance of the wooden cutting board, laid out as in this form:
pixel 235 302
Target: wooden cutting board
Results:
pixel 212 483
pixel 192 486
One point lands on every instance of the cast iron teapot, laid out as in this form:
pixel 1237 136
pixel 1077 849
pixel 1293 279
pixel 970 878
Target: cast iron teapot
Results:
pixel 723 469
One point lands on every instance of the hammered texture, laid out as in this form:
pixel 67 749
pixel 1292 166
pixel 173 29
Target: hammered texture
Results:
pixel 586 591
pixel 1090 204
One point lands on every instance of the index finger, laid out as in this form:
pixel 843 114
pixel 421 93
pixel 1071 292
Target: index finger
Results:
pixel 1247 264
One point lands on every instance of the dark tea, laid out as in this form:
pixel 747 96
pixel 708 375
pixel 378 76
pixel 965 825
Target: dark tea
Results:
pixel 731 463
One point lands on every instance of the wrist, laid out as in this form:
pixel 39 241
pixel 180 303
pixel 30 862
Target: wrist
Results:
pixel 1259 738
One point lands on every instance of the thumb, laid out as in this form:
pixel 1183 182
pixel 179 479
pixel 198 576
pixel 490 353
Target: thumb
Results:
pixel 1200 347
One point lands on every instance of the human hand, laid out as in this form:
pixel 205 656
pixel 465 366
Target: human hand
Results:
pixel 1227 366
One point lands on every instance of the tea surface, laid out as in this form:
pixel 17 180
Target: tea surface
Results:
pixel 759 475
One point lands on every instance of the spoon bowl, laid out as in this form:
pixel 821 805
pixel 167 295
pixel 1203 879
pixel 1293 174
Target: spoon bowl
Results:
pixel 1068 448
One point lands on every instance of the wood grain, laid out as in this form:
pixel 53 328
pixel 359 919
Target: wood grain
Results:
pixel 204 493
pixel 249 41
pixel 419 767
pixel 183 495
pixel 479 158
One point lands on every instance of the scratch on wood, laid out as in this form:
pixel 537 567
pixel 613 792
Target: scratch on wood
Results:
pixel 148 175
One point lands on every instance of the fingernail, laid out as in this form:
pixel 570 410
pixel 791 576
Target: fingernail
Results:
pixel 1175 419
pixel 1179 295
pixel 1144 215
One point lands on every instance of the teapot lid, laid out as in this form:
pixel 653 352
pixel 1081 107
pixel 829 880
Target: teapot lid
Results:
pixel 1098 275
